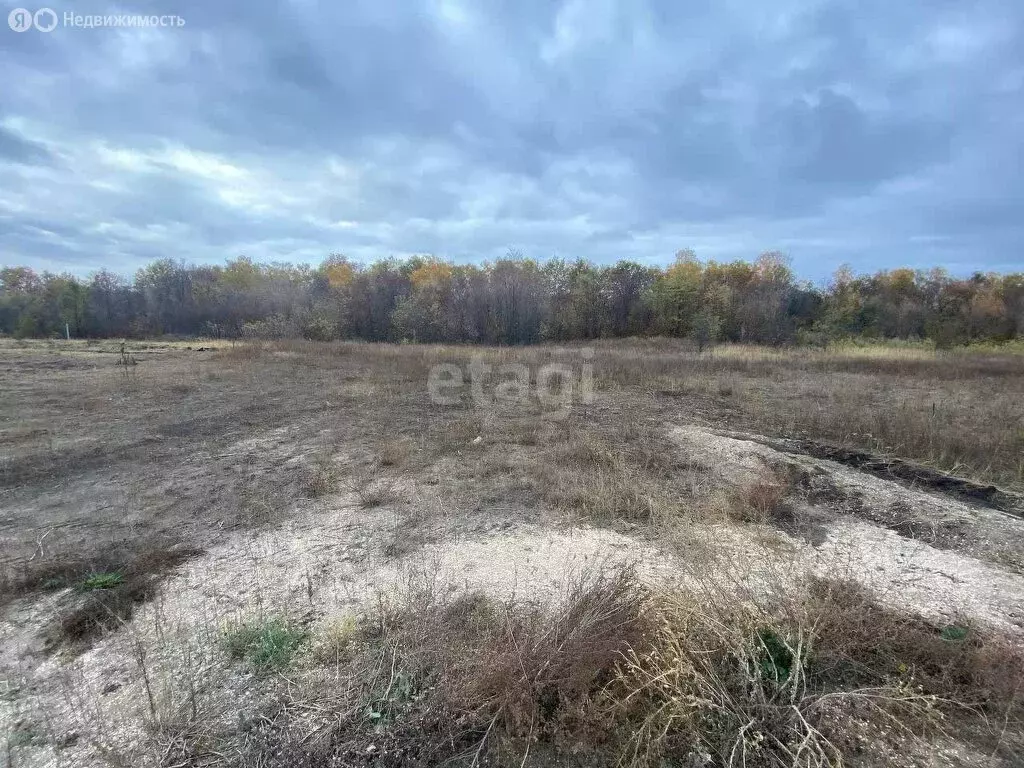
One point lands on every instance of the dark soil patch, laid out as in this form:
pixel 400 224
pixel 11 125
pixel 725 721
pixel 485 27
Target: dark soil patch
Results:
pixel 820 489
pixel 104 590
pixel 911 473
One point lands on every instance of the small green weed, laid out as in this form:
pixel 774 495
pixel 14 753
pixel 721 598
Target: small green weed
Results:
pixel 402 689
pixel 101 581
pixel 267 646
pixel 775 657
pixel 954 633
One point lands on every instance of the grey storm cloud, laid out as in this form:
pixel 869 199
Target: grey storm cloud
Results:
pixel 873 133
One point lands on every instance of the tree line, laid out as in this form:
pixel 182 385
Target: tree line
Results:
pixel 513 300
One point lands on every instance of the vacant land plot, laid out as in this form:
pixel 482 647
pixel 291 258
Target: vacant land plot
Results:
pixel 296 554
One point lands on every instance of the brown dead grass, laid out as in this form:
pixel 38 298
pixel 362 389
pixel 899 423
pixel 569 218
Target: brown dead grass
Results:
pixel 590 477
pixel 436 676
pixel 862 643
pixel 766 500
pixel 957 411
pixel 615 674
pixel 324 476
pixel 395 452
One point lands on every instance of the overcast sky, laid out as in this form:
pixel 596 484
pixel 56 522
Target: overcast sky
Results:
pixel 872 132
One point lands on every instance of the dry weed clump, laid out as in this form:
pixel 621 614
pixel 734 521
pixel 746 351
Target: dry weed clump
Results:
pixel 407 532
pixel 604 483
pixel 124 557
pixel 460 676
pixel 323 477
pixel 395 453
pixel 616 674
pixel 766 500
pixel 335 641
pixel 799 681
pixel 371 487
pixel 863 643
pixel 457 435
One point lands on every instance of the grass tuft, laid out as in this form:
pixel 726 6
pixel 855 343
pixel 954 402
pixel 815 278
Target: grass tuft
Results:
pixel 101 581
pixel 323 477
pixel 268 645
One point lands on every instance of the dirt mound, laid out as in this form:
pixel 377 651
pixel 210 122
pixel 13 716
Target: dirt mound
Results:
pixel 931 553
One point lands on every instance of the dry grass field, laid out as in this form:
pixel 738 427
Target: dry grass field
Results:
pixel 281 554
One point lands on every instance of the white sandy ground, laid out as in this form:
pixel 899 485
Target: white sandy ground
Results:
pixel 329 562
pixel 318 569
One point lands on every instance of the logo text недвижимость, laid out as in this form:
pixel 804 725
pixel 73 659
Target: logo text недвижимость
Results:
pixel 47 20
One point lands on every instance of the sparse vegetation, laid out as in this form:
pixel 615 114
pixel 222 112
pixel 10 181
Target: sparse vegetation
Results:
pixel 765 500
pixel 395 453
pixel 371 488
pixel 615 674
pixel 268 645
pixel 337 502
pixel 335 640
pixel 107 589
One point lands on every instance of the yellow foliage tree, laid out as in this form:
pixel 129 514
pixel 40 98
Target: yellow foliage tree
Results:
pixel 340 274
pixel 431 274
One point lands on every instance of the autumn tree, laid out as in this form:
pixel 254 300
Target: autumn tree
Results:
pixel 514 300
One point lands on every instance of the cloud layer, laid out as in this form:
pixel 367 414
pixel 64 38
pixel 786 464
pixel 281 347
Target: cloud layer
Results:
pixel 874 133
